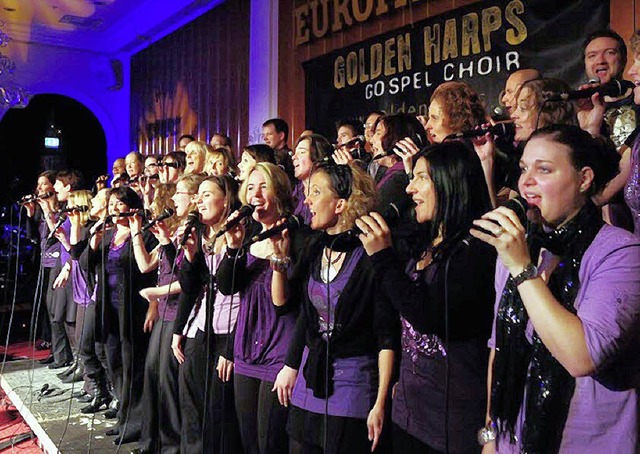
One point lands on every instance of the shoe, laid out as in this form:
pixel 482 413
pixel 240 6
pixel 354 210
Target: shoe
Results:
pixel 85 399
pixel 76 376
pixel 47 360
pixel 112 432
pixel 79 394
pixel 43 345
pixel 68 371
pixel 140 451
pixel 111 413
pixel 128 437
pixel 60 365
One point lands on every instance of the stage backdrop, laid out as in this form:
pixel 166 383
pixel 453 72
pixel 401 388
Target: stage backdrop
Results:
pixel 193 81
pixel 480 44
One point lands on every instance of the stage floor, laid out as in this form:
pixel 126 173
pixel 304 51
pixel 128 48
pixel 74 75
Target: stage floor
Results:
pixel 55 418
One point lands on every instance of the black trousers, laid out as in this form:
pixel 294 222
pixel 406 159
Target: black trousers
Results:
pixel 91 353
pixel 60 305
pixel 40 323
pixel 261 417
pixel 220 432
pixel 160 402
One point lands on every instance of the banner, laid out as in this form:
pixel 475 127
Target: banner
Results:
pixel 480 44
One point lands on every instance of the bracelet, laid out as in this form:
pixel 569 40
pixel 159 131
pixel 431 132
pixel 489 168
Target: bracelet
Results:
pixel 280 265
pixel 488 433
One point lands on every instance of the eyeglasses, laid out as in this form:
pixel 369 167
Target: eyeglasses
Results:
pixel 174 165
pixel 185 192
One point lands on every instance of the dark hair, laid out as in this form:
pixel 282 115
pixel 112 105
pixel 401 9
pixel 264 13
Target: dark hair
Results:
pixel 598 154
pixel 398 127
pixel 320 148
pixel 71 178
pixel 379 113
pixel 550 112
pixel 49 175
pixel 355 125
pixel 225 138
pixel 280 125
pixel 460 188
pixel 186 136
pixel 138 156
pixel 127 196
pixel 230 188
pixel 261 153
pixel 608 33
pixel 180 157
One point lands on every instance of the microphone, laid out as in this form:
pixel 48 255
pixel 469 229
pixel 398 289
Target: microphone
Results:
pixel 614 88
pixel 60 221
pixel 499 113
pixel 127 214
pixel 167 213
pixel 79 209
pixel 243 212
pixel 193 219
pixel 390 215
pixel 518 205
pixel 350 142
pixel 291 223
pixel 499 129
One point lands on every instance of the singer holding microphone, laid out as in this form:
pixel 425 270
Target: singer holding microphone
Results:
pixel 205 324
pixel 444 299
pixel 120 310
pixel 345 321
pixel 262 335
pixel 564 364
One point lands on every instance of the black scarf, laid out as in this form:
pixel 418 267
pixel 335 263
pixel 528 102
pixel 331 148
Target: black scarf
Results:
pixel 521 365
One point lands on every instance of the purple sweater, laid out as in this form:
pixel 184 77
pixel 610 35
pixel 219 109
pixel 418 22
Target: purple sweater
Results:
pixel 601 419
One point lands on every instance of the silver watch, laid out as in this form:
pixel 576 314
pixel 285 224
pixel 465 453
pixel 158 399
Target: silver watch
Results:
pixel 530 271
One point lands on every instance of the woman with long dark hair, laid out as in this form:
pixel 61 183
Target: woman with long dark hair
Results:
pixel 120 310
pixel 444 298
pixel 563 368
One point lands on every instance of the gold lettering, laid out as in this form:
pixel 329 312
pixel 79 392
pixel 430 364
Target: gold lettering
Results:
pixel 491 22
pixel 470 34
pixel 361 15
pixel 518 33
pixel 338 73
pixel 301 26
pixel 317 7
pixel 431 44
pixel 404 52
pixel 389 55
pixel 352 68
pixel 450 40
pixel 376 60
pixel 382 8
pixel 341 16
pixel 362 67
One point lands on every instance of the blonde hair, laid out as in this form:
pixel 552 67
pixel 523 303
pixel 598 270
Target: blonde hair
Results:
pixel 200 149
pixel 78 198
pixel 278 184
pixel 225 155
pixel 161 201
pixel 635 45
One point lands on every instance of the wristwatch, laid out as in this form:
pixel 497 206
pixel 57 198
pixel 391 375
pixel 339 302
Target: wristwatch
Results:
pixel 487 434
pixel 530 271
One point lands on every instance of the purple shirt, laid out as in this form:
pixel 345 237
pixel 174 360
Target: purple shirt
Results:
pixel 355 379
pixel 81 293
pixel 600 419
pixel 632 188
pixel 49 254
pixel 262 337
pixel 167 273
pixel 301 209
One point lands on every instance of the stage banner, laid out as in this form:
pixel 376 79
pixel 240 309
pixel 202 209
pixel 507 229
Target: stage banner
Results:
pixel 480 44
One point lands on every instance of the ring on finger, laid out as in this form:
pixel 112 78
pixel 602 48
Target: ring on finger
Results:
pixel 498 232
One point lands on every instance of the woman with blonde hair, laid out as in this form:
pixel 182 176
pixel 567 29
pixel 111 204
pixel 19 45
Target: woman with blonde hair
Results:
pixel 262 334
pixel 220 161
pixel 196 157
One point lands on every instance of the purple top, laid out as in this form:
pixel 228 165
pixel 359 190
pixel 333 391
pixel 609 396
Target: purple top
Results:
pixel 608 304
pixel 300 209
pixel 391 171
pixel 81 293
pixel 262 337
pixel 64 254
pixel 114 273
pixel 49 254
pixel 632 188
pixel 168 305
pixel 355 379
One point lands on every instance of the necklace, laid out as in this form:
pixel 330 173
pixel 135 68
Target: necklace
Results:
pixel 327 270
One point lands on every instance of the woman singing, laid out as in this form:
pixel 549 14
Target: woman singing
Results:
pixel 444 298
pixel 262 336
pixel 564 361
pixel 344 320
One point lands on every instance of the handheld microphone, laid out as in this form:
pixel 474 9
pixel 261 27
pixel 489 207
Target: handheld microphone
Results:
pixel 243 212
pixel 60 221
pixel 499 113
pixel 518 205
pixel 350 142
pixel 79 209
pixel 390 215
pixel 193 219
pixel 128 214
pixel 499 129
pixel 29 198
pixel 167 213
pixel 614 88
pixel 291 223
